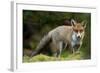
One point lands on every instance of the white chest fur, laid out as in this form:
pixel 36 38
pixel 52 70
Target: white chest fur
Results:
pixel 75 40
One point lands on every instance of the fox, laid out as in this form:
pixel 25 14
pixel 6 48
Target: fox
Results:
pixel 63 37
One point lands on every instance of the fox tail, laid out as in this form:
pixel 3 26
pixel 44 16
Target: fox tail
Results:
pixel 45 40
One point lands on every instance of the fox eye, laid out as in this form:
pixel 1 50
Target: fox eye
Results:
pixel 76 31
pixel 81 30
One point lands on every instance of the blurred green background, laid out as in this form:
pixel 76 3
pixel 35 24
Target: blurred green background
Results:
pixel 36 24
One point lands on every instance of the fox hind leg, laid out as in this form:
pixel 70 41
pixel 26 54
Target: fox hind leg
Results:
pixel 60 47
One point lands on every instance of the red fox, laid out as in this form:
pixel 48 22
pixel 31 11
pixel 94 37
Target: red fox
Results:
pixel 63 36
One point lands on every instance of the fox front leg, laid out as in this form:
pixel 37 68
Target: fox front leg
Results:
pixel 71 48
pixel 78 50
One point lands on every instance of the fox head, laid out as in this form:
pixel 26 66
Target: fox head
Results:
pixel 78 29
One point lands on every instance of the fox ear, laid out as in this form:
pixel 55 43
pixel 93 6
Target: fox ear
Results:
pixel 84 23
pixel 73 22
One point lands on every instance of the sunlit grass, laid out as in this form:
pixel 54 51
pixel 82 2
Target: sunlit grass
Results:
pixel 64 57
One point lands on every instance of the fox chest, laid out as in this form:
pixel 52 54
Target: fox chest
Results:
pixel 75 43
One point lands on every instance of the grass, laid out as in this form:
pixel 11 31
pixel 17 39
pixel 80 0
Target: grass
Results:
pixel 64 57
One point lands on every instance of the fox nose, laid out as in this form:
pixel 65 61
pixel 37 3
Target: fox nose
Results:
pixel 78 37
